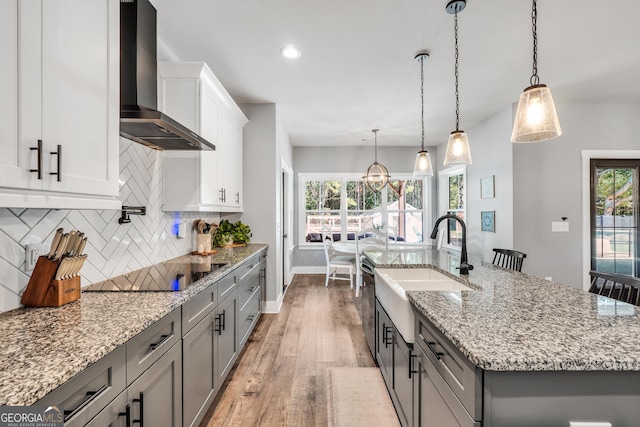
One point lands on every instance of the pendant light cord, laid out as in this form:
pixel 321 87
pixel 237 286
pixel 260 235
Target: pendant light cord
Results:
pixel 375 147
pixel 535 80
pixel 422 97
pixel 456 71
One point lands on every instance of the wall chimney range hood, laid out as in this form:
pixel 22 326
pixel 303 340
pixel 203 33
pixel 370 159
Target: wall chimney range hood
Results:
pixel 140 120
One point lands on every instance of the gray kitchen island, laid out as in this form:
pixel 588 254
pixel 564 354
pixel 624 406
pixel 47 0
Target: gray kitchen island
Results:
pixel 516 350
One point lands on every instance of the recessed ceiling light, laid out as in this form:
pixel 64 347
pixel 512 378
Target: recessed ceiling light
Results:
pixel 290 52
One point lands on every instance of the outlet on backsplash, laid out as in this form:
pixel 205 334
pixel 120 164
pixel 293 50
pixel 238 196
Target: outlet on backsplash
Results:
pixel 32 252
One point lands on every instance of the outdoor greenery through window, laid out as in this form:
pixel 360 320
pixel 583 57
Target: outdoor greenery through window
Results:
pixel 345 206
pixel 614 216
pixel 456 207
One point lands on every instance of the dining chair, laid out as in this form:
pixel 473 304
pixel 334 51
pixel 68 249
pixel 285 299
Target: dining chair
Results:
pixel 337 262
pixel 508 258
pixel 621 288
pixel 367 239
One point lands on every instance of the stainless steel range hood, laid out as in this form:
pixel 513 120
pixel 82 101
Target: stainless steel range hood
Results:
pixel 140 119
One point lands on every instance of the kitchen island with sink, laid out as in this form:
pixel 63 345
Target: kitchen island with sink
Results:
pixel 512 350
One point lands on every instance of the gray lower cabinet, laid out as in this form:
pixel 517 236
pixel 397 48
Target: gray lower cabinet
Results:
pixel 198 349
pixel 452 391
pixel 169 374
pixel 394 356
pixel 86 394
pixel 435 404
pixel 114 415
pixel 402 393
pixel 384 343
pixel 226 336
pixel 156 396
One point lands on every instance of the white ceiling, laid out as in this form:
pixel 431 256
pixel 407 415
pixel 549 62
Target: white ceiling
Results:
pixel 357 70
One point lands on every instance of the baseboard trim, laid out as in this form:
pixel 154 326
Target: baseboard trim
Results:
pixel 273 307
pixel 318 269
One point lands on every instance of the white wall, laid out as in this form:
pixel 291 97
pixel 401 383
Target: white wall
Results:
pixel 548 183
pixel 491 151
pixel 265 143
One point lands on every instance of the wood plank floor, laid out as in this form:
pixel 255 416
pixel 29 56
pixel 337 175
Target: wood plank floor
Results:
pixel 280 377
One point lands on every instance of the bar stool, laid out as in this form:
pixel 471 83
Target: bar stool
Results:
pixel 507 258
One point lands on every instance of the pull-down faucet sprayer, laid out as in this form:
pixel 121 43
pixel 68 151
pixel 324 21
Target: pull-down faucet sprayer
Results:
pixel 464 262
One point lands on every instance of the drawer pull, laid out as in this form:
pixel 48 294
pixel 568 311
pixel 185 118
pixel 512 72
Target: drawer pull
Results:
pixel 252 317
pixel 127 415
pixel 89 397
pixel 38 170
pixel 163 338
pixel 140 420
pixel 433 350
pixel 251 289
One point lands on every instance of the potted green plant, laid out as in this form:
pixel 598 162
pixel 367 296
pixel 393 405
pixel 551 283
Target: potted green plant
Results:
pixel 229 233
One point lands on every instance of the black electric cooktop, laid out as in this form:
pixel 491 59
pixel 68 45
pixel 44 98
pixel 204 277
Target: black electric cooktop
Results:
pixel 162 277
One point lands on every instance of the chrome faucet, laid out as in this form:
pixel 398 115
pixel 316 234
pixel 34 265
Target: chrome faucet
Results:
pixel 464 262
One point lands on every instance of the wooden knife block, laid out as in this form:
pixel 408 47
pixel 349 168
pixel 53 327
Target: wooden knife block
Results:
pixel 44 291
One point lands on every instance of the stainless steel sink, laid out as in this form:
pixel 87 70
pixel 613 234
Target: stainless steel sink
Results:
pixel 391 287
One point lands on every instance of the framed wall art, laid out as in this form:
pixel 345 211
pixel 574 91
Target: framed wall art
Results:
pixel 486 187
pixel 488 221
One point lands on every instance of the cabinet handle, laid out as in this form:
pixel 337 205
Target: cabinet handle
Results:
pixel 127 415
pixel 58 161
pixel 141 402
pixel 221 194
pixel 411 357
pixel 163 338
pixel 385 338
pixel 223 315
pixel 39 167
pixel 251 289
pixel 238 198
pixel 430 347
pixel 251 317
pixel 89 397
pixel 218 328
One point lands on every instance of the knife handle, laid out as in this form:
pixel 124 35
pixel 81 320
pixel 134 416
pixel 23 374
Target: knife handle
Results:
pixel 54 243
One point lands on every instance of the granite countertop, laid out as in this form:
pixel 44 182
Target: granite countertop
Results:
pixel 41 348
pixel 518 322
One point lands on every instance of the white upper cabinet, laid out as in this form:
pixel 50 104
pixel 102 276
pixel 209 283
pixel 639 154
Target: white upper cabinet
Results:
pixel 201 180
pixel 60 103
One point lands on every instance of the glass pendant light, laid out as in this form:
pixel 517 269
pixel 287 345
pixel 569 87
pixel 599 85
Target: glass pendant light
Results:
pixel 536 118
pixel 423 165
pixel 376 176
pixel 458 152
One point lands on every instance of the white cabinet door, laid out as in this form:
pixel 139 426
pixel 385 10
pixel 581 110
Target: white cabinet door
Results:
pixel 203 180
pixel 60 86
pixel 16 160
pixel 80 95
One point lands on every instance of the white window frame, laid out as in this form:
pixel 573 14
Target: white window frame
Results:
pixel 343 178
pixel 443 196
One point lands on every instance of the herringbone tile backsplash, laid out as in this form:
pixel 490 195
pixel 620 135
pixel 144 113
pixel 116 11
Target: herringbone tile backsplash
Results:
pixel 112 248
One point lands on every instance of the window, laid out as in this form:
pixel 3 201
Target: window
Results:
pixel 614 216
pixel 452 200
pixel 346 205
